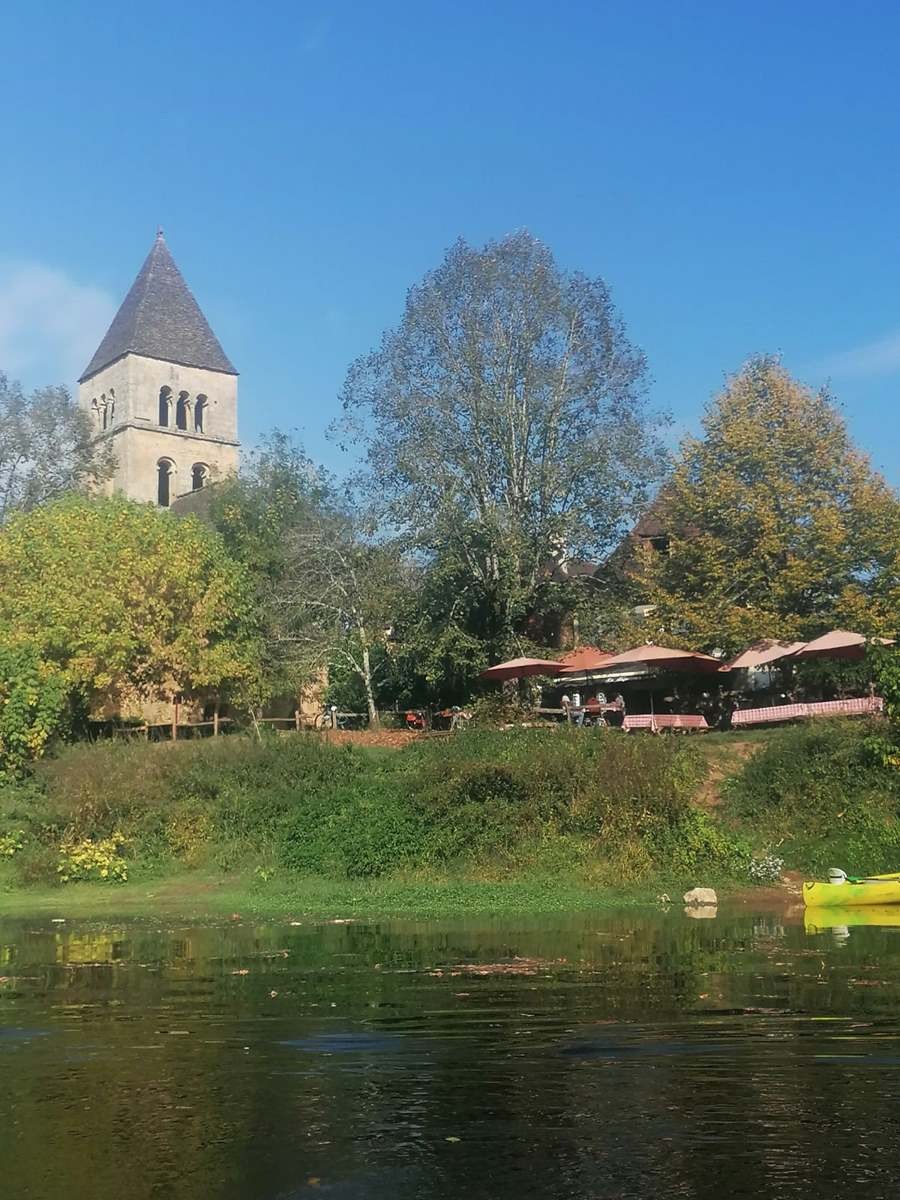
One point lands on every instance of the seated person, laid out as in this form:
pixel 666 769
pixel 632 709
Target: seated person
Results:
pixel 615 713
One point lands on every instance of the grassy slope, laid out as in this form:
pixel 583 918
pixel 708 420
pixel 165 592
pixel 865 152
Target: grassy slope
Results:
pixel 180 891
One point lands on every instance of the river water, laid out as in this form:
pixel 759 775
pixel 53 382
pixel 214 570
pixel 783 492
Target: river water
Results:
pixel 630 1054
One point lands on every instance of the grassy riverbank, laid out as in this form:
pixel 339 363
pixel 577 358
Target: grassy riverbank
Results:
pixel 189 895
pixel 520 820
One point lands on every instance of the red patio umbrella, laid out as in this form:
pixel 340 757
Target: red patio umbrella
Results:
pixel 761 653
pixel 663 656
pixel 518 668
pixel 839 643
pixel 583 660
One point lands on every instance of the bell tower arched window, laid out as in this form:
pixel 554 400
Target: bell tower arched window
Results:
pixel 199 476
pixel 200 406
pixel 181 411
pixel 165 405
pixel 165 476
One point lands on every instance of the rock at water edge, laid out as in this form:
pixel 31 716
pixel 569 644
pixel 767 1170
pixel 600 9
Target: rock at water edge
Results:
pixel 701 896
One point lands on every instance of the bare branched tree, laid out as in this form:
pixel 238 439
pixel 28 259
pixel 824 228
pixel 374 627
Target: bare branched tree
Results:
pixel 336 598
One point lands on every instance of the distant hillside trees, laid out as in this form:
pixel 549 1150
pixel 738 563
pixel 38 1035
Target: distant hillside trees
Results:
pixel 775 524
pixel 45 448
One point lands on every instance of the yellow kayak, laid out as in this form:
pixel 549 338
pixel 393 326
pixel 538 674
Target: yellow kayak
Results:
pixel 817 920
pixel 876 889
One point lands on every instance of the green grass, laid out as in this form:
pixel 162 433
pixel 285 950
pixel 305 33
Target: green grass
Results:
pixel 193 896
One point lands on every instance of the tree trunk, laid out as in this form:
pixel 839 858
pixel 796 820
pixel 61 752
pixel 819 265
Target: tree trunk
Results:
pixel 367 684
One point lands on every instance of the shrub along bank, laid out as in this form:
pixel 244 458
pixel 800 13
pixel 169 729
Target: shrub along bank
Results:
pixel 821 795
pixel 490 805
pixel 581 805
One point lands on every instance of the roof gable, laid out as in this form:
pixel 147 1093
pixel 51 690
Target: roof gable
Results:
pixel 159 318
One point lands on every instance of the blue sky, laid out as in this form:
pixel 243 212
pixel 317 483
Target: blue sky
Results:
pixel 731 170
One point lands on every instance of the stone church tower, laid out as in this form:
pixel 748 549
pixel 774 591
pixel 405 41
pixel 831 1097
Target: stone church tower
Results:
pixel 161 389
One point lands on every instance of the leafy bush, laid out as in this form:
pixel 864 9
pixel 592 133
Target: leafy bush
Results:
pixel 884 741
pixel 485 801
pixel 86 859
pixel 32 707
pixel 11 843
pixel 814 791
pixel 495 709
pixel 696 844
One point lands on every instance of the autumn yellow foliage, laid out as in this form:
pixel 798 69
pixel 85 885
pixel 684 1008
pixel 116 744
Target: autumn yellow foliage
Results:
pixel 125 601
pixel 778 526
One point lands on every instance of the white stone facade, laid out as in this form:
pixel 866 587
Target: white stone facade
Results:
pixel 124 402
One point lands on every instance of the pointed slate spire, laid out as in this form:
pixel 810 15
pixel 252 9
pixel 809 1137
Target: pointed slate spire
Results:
pixel 159 318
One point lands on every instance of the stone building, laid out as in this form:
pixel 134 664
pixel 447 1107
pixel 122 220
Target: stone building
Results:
pixel 162 390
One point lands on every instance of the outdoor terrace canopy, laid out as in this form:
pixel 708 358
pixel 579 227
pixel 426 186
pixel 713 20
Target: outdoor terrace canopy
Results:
pixel 583 661
pixel 518 668
pixel 839 643
pixel 665 657
pixel 761 653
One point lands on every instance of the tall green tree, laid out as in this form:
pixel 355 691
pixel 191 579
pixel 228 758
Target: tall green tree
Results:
pixel 258 513
pixel 279 488
pixel 46 448
pixel 777 525
pixel 504 424
pixel 125 602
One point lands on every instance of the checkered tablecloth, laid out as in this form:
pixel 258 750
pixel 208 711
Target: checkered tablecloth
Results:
pixel 666 721
pixel 823 708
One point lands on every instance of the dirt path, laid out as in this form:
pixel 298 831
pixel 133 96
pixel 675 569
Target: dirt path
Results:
pixel 389 739
pixel 725 760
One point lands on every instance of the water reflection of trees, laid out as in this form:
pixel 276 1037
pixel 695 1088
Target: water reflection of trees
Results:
pixel 663 1057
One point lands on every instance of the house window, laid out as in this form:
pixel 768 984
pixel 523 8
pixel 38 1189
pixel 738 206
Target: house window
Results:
pixel 200 414
pixel 111 406
pixel 165 405
pixel 181 411
pixel 199 476
pixel 165 471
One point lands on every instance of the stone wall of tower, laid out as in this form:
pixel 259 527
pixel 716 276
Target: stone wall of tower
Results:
pixel 130 389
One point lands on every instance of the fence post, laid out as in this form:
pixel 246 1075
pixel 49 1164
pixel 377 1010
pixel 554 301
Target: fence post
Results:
pixel 297 719
pixel 175 721
pixel 216 721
